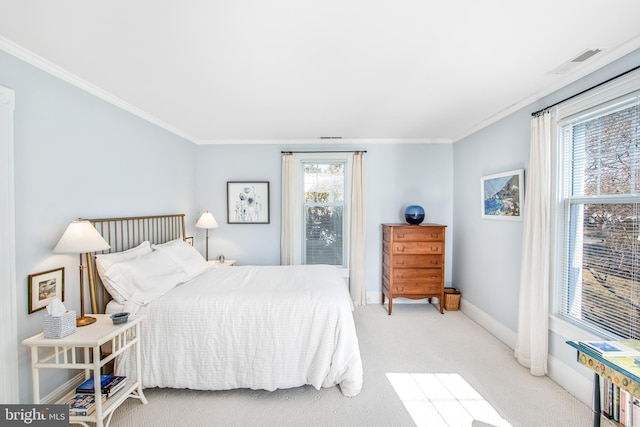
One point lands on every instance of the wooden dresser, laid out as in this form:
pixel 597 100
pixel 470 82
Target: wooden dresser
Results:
pixel 413 262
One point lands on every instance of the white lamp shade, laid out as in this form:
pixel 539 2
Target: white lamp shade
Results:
pixel 207 221
pixel 80 237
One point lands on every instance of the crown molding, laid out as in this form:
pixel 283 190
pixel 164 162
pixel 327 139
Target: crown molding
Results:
pixel 327 142
pixel 599 61
pixel 37 61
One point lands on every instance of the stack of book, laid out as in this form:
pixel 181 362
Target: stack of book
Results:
pixel 609 349
pixel 83 403
pixel 616 403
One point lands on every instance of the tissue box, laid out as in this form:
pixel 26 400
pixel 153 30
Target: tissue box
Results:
pixel 61 326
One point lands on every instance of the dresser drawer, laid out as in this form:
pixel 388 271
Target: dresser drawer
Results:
pixel 417 248
pixel 416 261
pixel 418 274
pixel 417 234
pixel 417 288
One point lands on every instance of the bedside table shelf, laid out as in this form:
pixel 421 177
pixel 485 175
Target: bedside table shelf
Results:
pixel 82 350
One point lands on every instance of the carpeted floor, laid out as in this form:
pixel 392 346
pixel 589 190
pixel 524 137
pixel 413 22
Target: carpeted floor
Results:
pixel 420 368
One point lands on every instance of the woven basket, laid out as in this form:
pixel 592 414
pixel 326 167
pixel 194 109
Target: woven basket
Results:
pixel 451 299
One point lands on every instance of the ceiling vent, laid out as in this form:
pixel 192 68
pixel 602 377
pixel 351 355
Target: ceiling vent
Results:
pixel 330 137
pixel 576 61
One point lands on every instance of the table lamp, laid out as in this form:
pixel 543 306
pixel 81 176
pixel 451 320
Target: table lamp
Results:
pixel 81 237
pixel 207 221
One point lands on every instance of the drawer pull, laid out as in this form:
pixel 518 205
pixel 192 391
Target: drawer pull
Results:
pixel 399 262
pixel 435 235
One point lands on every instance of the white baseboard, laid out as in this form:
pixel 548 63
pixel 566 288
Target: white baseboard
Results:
pixel 571 380
pixel 566 377
pixel 494 327
pixel 374 297
pixel 58 394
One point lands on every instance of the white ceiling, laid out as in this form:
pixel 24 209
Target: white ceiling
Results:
pixel 252 71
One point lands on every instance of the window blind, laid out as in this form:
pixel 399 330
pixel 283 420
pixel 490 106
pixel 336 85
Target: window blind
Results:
pixel 324 207
pixel 600 284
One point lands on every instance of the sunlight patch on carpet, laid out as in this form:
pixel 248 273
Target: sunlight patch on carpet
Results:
pixel 443 400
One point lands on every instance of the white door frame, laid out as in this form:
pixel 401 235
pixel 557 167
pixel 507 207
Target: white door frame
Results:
pixel 8 306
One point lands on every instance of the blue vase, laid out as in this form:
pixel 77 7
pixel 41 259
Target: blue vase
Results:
pixel 414 214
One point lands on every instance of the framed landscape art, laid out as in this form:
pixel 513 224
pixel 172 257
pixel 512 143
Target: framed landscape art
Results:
pixel 502 195
pixel 44 287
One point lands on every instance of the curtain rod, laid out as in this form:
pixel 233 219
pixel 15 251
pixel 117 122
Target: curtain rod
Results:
pixel 303 152
pixel 537 113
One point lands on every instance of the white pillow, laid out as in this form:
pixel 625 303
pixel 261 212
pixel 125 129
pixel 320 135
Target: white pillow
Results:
pixel 145 278
pixel 185 256
pixel 104 261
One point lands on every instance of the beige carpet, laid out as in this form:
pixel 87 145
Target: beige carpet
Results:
pixel 429 357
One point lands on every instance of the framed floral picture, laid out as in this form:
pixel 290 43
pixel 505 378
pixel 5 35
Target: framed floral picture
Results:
pixel 44 287
pixel 248 202
pixel 502 195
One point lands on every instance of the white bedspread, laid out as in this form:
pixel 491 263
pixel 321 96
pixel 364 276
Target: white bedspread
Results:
pixel 267 327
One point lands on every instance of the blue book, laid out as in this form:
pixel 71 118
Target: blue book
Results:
pixel 109 384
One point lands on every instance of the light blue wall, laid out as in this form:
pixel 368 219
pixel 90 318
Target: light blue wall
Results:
pixel 487 252
pixel 78 156
pixel 397 175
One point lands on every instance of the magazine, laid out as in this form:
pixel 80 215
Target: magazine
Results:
pixel 631 364
pixel 613 348
pixel 83 404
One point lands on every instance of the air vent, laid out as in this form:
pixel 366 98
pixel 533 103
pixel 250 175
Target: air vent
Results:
pixel 330 137
pixel 576 61
pixel 586 55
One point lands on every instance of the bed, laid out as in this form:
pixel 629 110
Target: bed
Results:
pixel 220 328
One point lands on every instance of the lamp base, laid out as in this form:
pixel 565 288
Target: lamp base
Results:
pixel 84 321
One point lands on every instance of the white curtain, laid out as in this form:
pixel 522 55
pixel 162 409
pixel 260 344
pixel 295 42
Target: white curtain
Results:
pixel 289 203
pixel 357 282
pixel 291 220
pixel 533 312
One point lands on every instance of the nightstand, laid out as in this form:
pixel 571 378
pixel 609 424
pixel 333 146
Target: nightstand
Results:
pixel 82 350
pixel 226 263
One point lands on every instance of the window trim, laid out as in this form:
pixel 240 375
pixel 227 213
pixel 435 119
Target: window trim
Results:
pixel 298 238
pixel 572 109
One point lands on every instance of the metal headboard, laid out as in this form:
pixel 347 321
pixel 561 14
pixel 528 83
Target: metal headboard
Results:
pixel 126 233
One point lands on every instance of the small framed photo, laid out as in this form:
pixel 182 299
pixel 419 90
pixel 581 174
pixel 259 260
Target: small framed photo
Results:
pixel 189 240
pixel 248 202
pixel 503 195
pixel 44 287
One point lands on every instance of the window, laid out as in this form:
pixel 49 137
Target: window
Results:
pixel 324 212
pixel 599 283
pixel 316 209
